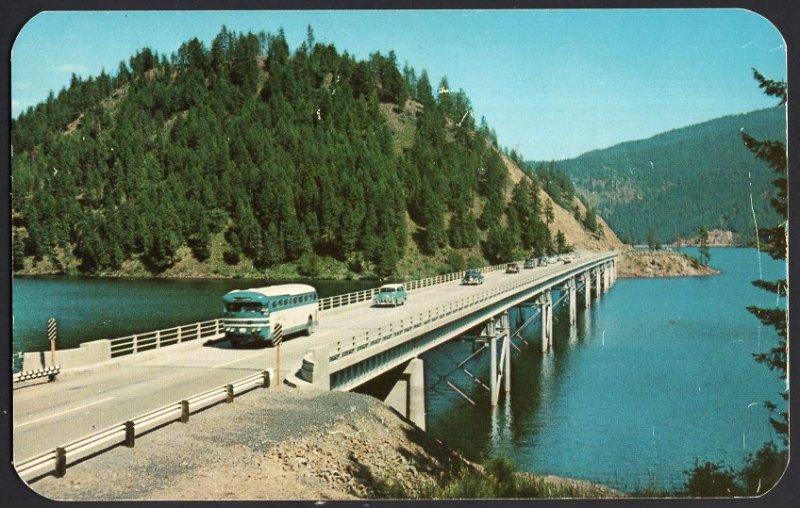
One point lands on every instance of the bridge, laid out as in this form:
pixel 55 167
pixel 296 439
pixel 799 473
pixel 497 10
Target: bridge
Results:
pixel 353 345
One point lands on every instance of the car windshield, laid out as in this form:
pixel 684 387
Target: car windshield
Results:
pixel 388 290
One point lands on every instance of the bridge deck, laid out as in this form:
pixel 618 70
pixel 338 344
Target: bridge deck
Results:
pixel 50 414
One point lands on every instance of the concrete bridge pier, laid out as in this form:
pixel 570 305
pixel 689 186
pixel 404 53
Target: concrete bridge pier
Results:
pixel 499 330
pixel 613 272
pixel 546 311
pixel 572 289
pixel 506 327
pixel 598 282
pixel 587 289
pixel 407 396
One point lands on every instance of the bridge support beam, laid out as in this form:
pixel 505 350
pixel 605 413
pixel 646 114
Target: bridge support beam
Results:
pixel 499 330
pixel 572 288
pixel 613 272
pixel 493 391
pixel 587 289
pixel 598 283
pixel 407 396
pixel 546 306
pixel 505 324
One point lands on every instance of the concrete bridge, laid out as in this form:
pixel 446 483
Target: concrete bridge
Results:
pixel 353 345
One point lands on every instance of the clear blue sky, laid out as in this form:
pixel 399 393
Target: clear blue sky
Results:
pixel 552 83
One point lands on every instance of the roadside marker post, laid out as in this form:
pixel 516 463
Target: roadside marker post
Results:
pixel 277 338
pixel 52 334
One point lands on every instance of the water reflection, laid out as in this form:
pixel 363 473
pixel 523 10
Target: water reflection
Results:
pixel 669 382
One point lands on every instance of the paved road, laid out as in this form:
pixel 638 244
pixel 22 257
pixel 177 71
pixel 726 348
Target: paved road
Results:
pixel 47 415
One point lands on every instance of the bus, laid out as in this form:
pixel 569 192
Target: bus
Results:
pixel 250 315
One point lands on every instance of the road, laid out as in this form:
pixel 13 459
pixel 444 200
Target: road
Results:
pixel 78 403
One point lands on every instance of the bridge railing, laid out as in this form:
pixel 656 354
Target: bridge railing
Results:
pixel 136 343
pixel 56 461
pixel 332 302
pixel 370 338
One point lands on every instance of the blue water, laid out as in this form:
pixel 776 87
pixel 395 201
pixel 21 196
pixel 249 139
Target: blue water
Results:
pixel 658 373
pixel 94 308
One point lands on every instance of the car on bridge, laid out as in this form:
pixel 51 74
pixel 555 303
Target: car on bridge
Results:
pixel 529 263
pixel 390 294
pixel 472 277
pixel 512 268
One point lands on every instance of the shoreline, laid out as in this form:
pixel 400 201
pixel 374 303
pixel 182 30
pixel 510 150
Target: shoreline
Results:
pixel 678 264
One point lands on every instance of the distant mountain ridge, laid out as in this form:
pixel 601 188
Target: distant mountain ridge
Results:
pixel 678 181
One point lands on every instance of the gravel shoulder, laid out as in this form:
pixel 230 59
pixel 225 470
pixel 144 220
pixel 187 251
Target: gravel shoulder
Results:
pixel 278 444
pixel 275 444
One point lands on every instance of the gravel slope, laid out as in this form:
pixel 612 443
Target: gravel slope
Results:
pixel 268 444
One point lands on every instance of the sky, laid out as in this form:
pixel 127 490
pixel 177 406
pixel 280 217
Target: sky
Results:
pixel 552 83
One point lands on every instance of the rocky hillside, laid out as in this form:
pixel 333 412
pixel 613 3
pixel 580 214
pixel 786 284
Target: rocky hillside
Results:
pixel 659 263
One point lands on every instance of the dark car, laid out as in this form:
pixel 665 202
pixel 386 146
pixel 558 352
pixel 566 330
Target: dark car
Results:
pixel 512 268
pixel 472 277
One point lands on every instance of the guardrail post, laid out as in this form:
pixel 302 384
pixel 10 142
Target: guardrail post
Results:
pixel 61 462
pixel 135 344
pixel 184 411
pixel 158 339
pixel 199 329
pixel 179 334
pixel 229 390
pixel 130 434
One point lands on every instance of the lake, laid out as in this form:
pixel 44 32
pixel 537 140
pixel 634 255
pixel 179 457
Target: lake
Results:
pixel 658 373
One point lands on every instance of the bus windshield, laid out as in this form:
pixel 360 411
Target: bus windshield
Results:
pixel 243 307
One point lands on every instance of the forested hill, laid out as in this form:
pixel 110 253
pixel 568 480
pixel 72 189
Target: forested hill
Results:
pixel 247 156
pixel 679 181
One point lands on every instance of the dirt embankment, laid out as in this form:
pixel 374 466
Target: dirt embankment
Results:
pixel 659 263
pixel 275 444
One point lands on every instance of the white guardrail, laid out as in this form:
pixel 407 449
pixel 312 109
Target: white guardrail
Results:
pixel 140 342
pixel 125 433
pixel 135 343
pixel 347 347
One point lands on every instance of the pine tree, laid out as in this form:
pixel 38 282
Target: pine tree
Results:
pixel 774 239
pixel 705 254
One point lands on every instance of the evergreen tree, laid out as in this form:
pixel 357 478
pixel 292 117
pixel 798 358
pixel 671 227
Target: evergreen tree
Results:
pixel 774 239
pixel 705 253
pixel 652 242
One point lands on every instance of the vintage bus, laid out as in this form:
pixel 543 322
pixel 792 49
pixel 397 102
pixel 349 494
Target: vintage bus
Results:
pixel 250 315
